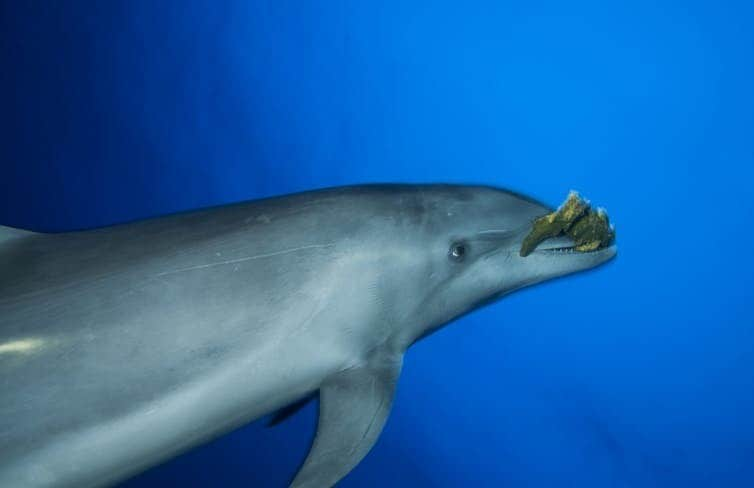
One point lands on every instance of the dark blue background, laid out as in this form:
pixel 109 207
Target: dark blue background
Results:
pixel 117 110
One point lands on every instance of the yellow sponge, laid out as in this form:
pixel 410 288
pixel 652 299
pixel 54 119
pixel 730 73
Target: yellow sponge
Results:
pixel 589 230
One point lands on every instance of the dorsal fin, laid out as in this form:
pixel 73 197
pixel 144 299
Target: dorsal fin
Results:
pixel 8 233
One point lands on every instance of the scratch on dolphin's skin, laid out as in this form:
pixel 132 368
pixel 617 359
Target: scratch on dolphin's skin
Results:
pixel 247 258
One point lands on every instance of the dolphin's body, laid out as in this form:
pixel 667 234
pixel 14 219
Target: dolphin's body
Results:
pixel 123 346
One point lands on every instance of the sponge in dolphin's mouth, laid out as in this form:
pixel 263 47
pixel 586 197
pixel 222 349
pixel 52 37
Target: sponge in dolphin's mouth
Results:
pixel 589 230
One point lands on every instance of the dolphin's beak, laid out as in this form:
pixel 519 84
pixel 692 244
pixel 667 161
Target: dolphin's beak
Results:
pixel 570 239
pixel 552 258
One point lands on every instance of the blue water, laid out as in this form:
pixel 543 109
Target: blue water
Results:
pixel 125 109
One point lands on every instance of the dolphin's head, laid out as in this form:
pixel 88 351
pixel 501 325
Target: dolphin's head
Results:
pixel 473 256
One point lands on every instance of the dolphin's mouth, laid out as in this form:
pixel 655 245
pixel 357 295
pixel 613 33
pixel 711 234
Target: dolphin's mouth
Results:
pixel 566 245
pixel 561 244
pixel 573 228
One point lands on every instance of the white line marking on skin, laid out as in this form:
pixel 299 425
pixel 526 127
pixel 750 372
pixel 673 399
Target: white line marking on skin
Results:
pixel 248 258
pixel 21 346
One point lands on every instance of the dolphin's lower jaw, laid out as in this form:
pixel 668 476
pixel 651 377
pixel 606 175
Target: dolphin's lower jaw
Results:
pixel 558 256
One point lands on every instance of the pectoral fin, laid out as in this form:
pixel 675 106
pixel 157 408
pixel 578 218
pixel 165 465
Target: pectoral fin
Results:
pixel 353 407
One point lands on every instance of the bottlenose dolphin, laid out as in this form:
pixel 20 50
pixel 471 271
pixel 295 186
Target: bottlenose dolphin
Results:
pixel 122 346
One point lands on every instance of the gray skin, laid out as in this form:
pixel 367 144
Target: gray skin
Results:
pixel 123 346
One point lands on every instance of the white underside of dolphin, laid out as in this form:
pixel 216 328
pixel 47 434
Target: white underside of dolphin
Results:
pixel 124 346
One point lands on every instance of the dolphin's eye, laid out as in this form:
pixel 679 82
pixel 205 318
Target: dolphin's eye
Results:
pixel 458 251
